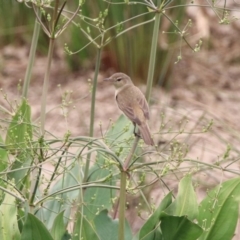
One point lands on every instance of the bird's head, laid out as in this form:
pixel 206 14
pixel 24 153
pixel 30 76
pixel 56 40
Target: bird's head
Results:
pixel 119 79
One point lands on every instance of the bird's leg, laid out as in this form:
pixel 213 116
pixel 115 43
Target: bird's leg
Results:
pixel 136 134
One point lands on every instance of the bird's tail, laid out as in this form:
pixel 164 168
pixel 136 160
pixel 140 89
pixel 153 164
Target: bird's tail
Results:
pixel 145 134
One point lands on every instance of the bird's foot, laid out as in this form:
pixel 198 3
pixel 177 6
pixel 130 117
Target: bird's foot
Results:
pixel 136 134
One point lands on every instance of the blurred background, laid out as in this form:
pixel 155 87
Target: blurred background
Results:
pixel 209 77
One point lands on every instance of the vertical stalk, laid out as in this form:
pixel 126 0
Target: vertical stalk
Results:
pixel 45 86
pixel 121 229
pixel 130 154
pixel 47 73
pixel 122 201
pixel 94 88
pixel 153 53
pixel 152 61
pixel 31 58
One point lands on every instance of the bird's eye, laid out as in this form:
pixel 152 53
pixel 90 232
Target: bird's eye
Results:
pixel 119 79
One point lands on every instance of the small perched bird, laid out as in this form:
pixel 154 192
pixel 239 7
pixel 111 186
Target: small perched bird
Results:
pixel 132 103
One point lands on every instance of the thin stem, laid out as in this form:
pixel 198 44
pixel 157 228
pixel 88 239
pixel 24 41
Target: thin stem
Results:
pixel 76 187
pixel 44 28
pixel 153 53
pixel 143 196
pixel 31 57
pixel 54 19
pixel 94 88
pixel 35 186
pixel 134 147
pixel 45 86
pixel 92 117
pixel 55 170
pixel 122 203
pixel 10 192
pixel 38 174
pixel 130 155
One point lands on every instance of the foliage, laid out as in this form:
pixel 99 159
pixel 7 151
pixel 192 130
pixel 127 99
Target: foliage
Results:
pixel 77 188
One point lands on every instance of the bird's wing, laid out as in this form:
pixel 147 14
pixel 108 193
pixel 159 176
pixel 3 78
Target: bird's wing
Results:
pixel 128 111
pixel 143 104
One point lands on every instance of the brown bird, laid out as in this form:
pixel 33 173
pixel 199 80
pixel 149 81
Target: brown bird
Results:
pixel 132 103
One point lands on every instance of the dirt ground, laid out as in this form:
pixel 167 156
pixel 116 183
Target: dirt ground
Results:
pixel 205 87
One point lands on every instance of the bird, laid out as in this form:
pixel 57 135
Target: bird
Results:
pixel 132 103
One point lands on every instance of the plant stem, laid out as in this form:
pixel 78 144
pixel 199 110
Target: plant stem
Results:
pixel 94 88
pixel 121 229
pixel 35 184
pixel 122 201
pixel 92 117
pixel 153 53
pixel 45 86
pixel 130 155
pixel 31 58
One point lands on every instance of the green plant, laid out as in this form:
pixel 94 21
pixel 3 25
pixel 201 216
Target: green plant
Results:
pixel 91 178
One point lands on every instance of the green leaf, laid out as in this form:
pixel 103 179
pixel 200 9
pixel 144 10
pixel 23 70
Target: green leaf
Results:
pixel 121 134
pixel 107 228
pixel 150 230
pixel 20 167
pixel 51 207
pixel 186 201
pixel 19 132
pixel 96 198
pixel 218 212
pixel 84 229
pixel 179 228
pixel 8 219
pixel 58 229
pixel 34 229
pixel 19 141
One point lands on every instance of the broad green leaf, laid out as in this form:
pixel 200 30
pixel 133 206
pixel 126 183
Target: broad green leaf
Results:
pixel 52 207
pixel 120 136
pixel 107 228
pixel 186 201
pixel 18 141
pixel 150 230
pixel 96 198
pixel 8 219
pixel 84 229
pixel 179 228
pixel 20 166
pixel 58 229
pixel 34 229
pixel 19 132
pixel 218 212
